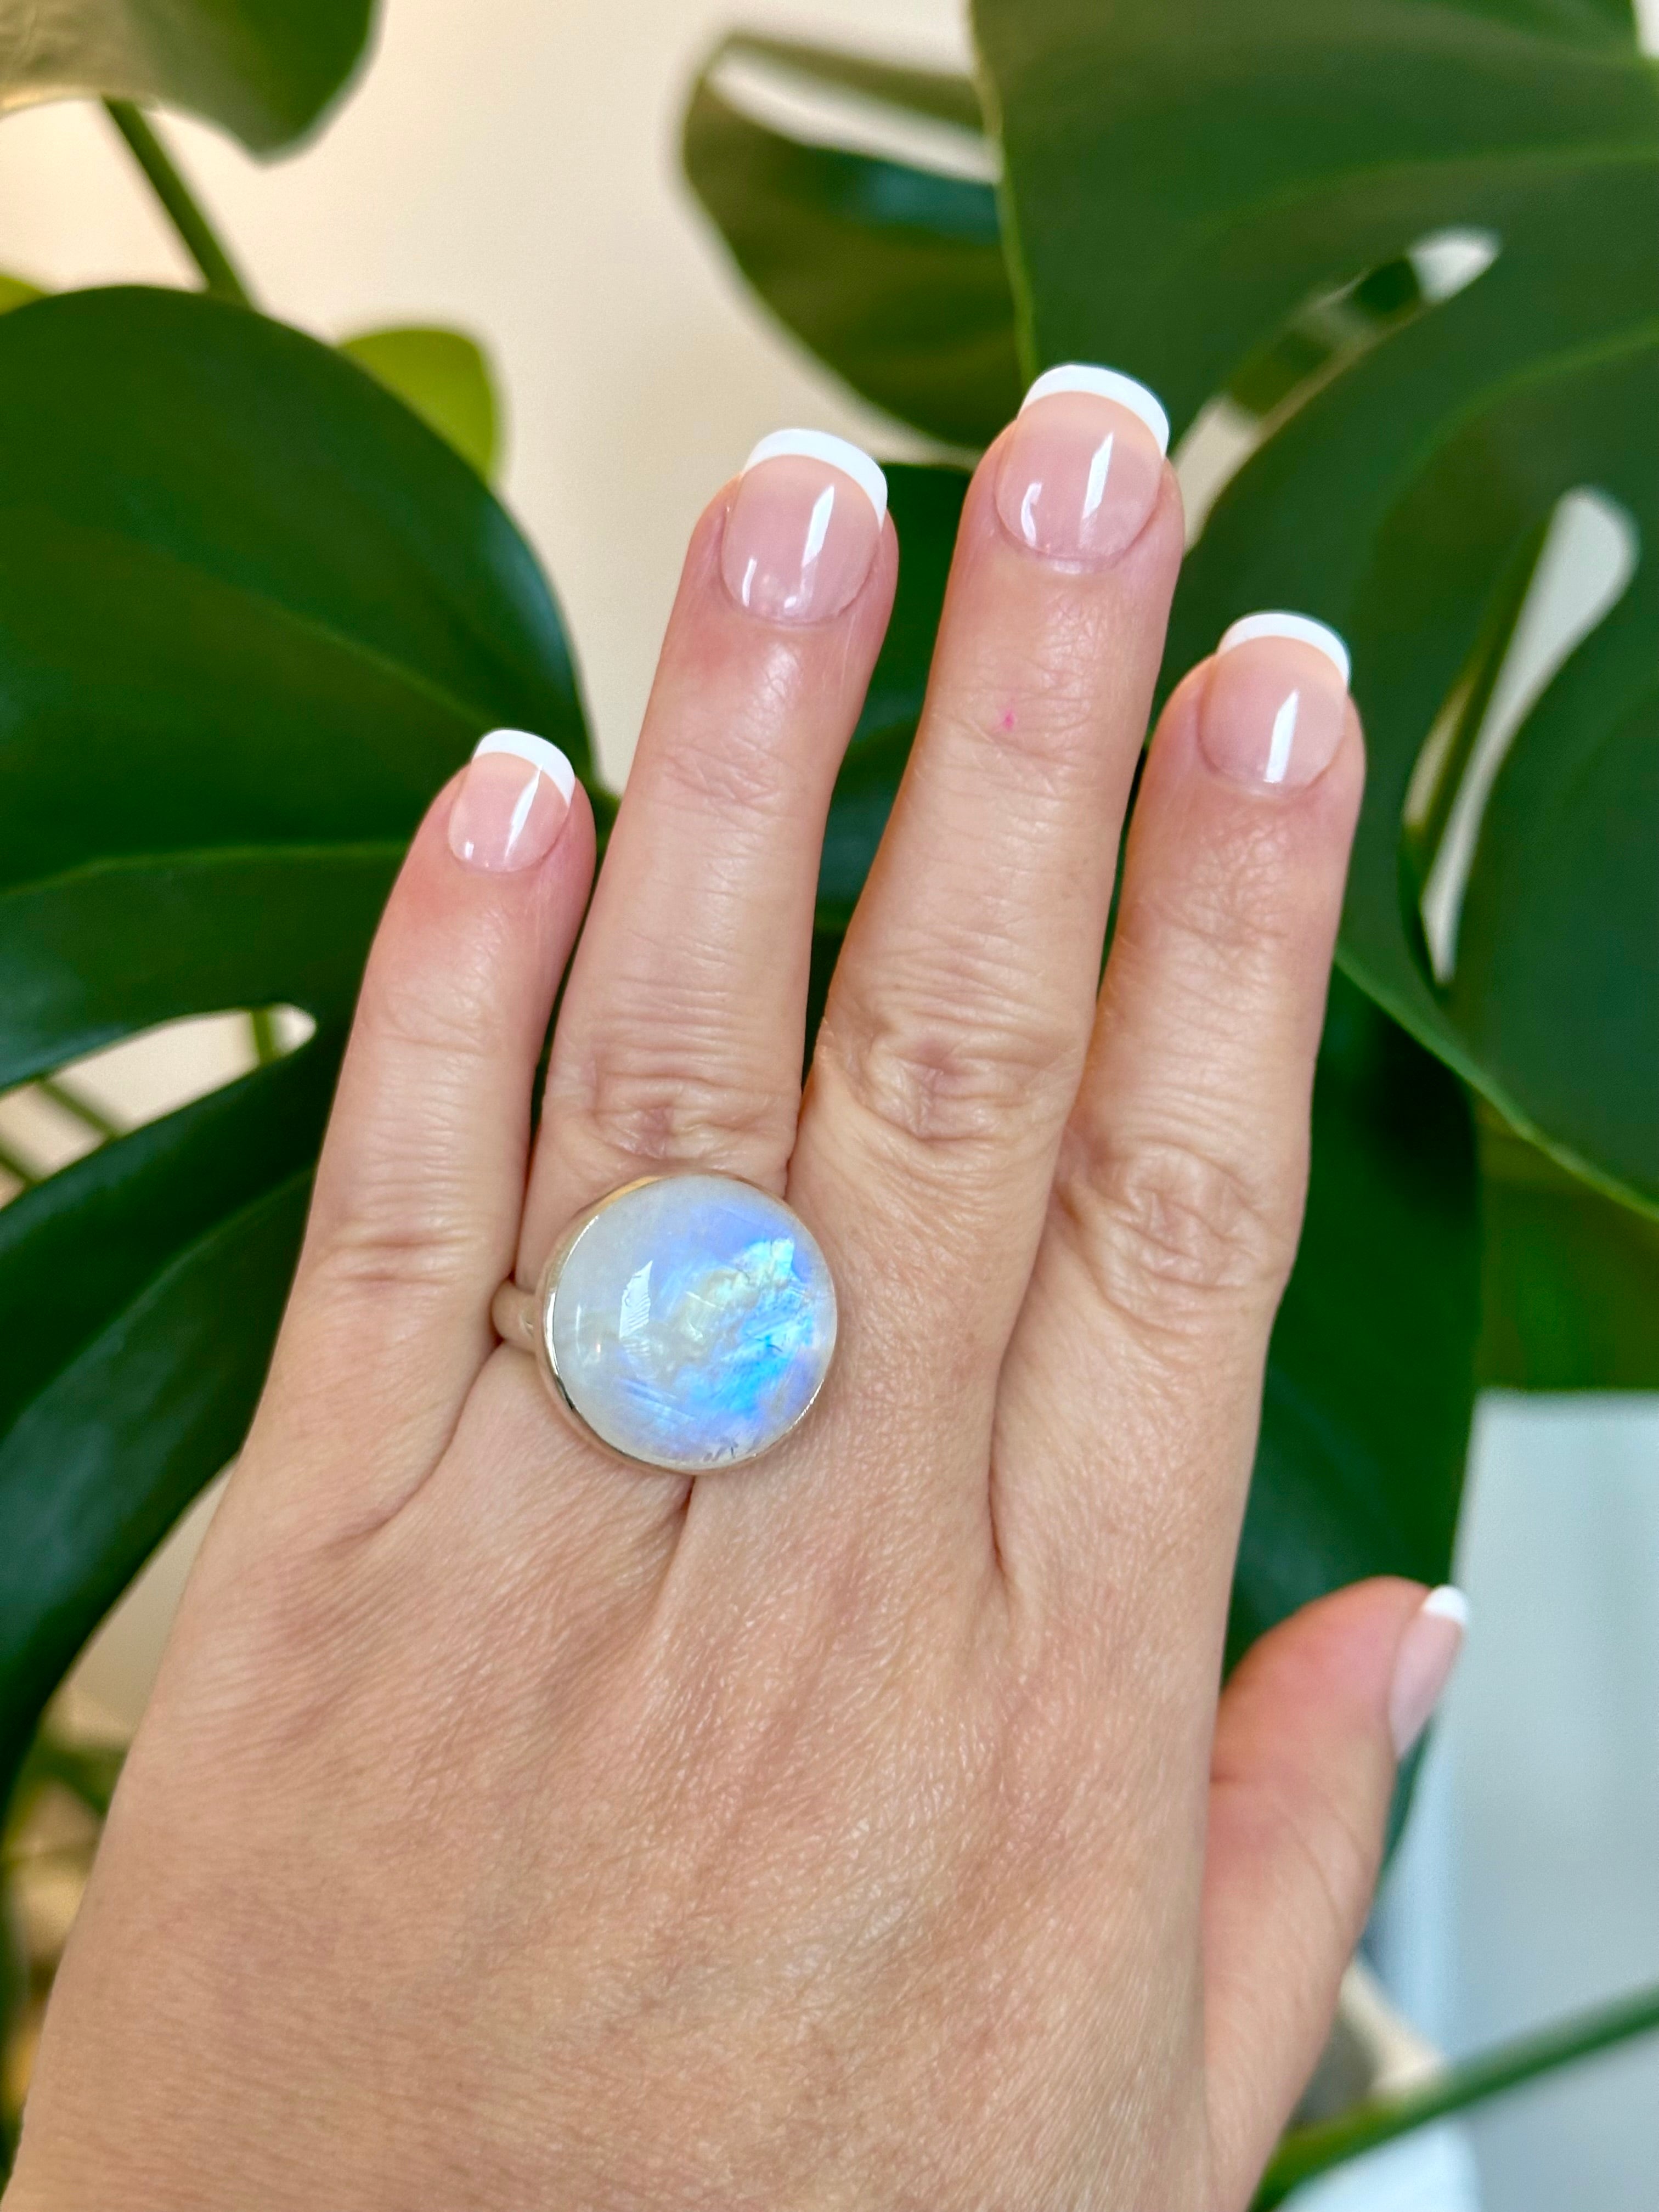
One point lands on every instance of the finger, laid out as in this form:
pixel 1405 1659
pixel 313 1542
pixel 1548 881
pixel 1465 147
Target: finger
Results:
pixel 1308 1741
pixel 680 1038
pixel 1178 1197
pixel 419 1187
pixel 960 1010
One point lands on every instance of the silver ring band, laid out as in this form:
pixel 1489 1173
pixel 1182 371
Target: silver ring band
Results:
pixel 512 1318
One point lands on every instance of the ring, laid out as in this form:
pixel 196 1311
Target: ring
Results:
pixel 685 1321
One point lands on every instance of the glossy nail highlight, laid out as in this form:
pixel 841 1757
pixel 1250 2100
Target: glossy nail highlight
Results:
pixel 1423 1665
pixel 1276 704
pixel 1080 471
pixel 512 804
pixel 804 526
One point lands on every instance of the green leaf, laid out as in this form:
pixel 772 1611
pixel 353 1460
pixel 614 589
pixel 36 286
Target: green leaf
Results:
pixel 1274 153
pixel 1371 1373
pixel 444 376
pixel 892 273
pixel 104 1460
pixel 926 504
pixel 263 70
pixel 1233 166
pixel 1569 1278
pixel 17 292
pixel 252 613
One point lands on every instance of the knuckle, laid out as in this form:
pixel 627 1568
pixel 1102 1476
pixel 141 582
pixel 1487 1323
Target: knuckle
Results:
pixel 1167 1231
pixel 446 1034
pixel 647 1110
pixel 931 1078
pixel 394 1217
pixel 395 1235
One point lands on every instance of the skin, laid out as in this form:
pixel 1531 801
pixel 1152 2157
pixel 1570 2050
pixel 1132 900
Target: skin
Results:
pixel 863 1827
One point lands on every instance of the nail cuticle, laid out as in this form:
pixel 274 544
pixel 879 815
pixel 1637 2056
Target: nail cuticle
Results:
pixel 1072 564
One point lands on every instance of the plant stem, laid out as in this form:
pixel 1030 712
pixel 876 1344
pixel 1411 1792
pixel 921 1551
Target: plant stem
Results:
pixel 1310 2151
pixel 71 1101
pixel 262 1025
pixel 200 242
pixel 14 1164
pixel 88 1772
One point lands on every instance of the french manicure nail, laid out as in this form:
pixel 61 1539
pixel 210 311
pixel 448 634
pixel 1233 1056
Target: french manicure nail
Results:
pixel 1080 472
pixel 1423 1665
pixel 1276 703
pixel 512 803
pixel 804 526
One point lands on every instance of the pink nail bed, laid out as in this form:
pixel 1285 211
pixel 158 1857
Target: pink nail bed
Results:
pixel 1276 705
pixel 804 526
pixel 1080 471
pixel 512 804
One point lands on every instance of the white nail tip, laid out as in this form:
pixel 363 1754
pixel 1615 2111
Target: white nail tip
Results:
pixel 821 445
pixel 1448 1603
pixel 1302 628
pixel 537 751
pixel 1105 383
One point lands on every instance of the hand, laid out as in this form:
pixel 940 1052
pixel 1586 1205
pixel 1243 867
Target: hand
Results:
pixel 512 1828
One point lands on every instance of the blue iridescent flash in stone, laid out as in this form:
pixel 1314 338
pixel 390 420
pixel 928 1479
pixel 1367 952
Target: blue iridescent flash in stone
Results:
pixel 693 1322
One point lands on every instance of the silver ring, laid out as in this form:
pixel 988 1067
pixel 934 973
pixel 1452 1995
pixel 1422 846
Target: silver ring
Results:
pixel 685 1321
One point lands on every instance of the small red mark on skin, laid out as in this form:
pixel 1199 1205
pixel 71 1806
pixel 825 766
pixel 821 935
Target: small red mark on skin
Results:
pixel 1007 722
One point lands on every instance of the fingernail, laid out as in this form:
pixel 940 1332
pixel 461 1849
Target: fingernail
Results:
pixel 803 527
pixel 1277 701
pixel 1082 467
pixel 1423 1665
pixel 512 803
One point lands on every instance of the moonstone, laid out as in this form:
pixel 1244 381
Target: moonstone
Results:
pixel 693 1322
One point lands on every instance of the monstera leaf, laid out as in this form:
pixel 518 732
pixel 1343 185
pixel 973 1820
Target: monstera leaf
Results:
pixel 891 272
pixel 252 614
pixel 1570 1297
pixel 1187 179
pixel 263 70
pixel 1401 254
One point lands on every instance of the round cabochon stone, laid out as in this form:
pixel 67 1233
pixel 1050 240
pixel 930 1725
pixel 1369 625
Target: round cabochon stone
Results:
pixel 693 1321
